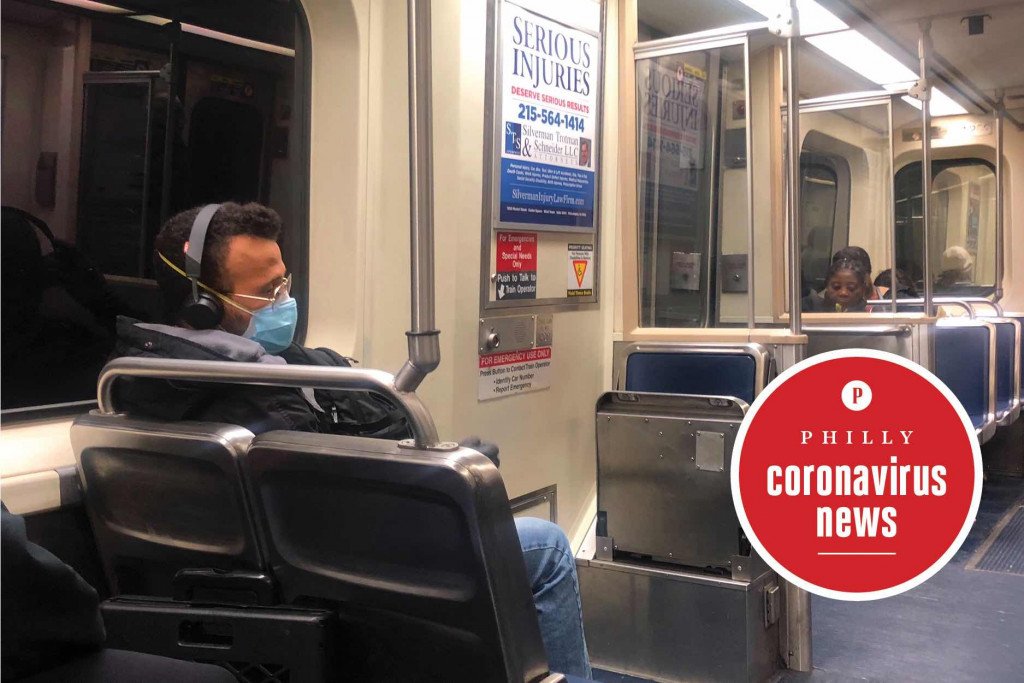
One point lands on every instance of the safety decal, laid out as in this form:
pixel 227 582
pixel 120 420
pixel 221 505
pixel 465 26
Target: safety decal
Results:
pixel 515 271
pixel 581 270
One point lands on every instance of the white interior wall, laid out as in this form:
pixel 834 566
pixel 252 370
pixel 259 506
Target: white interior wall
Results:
pixel 546 437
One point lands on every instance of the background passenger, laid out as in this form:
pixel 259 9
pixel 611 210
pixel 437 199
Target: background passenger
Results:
pixel 905 288
pixel 242 270
pixel 860 255
pixel 845 290
pixel 957 269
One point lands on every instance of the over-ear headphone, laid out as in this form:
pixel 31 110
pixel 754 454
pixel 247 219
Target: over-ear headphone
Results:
pixel 202 310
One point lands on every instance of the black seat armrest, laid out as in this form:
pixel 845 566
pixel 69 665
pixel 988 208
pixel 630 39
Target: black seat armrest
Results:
pixel 214 586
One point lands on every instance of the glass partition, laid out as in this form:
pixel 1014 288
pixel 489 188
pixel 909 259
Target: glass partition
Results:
pixel 692 187
pixel 846 202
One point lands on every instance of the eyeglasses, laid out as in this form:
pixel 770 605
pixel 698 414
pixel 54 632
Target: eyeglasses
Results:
pixel 278 292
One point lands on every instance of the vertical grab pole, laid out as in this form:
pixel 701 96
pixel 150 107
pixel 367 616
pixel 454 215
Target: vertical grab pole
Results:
pixel 793 146
pixel 424 346
pixel 751 313
pixel 1000 237
pixel 798 601
pixel 925 93
pixel 892 210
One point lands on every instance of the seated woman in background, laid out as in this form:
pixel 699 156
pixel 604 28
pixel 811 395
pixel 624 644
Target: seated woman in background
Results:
pixel 846 289
pixel 905 288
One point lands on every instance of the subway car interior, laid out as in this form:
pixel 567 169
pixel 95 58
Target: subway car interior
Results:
pixel 710 158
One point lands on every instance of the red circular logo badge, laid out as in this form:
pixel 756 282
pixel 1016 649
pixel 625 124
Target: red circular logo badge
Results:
pixel 856 474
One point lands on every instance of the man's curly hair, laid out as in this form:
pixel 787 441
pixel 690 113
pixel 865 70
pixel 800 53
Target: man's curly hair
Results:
pixel 254 220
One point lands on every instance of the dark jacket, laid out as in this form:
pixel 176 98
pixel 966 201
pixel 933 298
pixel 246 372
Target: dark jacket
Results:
pixel 50 614
pixel 258 409
pixel 816 303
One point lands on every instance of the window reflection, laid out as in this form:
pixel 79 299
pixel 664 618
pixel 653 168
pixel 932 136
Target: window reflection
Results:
pixel 691 118
pixel 962 226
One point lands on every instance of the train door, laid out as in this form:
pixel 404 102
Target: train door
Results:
pixel 115 198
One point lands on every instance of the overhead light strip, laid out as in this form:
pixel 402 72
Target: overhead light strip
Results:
pixel 852 49
pixel 187 28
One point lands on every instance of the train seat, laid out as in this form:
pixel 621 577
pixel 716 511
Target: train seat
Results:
pixel 169 509
pixel 738 370
pixel 1008 339
pixel 175 532
pixel 415 549
pixel 964 361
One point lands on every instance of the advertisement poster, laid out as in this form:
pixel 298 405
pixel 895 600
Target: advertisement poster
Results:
pixel 548 108
pixel 515 268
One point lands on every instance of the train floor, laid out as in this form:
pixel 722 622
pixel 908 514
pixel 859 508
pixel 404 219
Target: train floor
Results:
pixel 966 623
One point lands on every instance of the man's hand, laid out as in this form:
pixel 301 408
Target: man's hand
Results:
pixel 485 447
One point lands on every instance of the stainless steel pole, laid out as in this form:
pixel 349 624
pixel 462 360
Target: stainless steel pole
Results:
pixel 892 210
pixel 925 92
pixel 1000 236
pixel 751 287
pixel 798 601
pixel 793 196
pixel 424 345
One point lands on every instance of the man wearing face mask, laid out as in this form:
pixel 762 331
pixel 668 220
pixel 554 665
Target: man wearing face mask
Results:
pixel 227 297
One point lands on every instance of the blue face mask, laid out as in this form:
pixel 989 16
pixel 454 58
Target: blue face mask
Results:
pixel 273 327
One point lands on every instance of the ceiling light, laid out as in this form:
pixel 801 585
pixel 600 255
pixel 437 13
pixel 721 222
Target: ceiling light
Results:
pixel 187 28
pixel 856 52
pixel 237 40
pixel 943 105
pixel 813 17
pixel 850 48
pixel 96 6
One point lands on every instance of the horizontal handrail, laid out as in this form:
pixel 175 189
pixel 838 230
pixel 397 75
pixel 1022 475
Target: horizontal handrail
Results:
pixel 871 330
pixel 263 374
pixel 938 301
pixel 979 300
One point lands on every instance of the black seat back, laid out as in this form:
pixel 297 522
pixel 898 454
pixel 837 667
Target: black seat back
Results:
pixel 416 549
pixel 165 500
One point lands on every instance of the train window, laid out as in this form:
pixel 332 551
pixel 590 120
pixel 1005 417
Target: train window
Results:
pixel 114 119
pixel 692 185
pixel 962 225
pixel 819 194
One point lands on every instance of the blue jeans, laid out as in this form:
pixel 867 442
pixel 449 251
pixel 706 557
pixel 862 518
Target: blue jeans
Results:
pixel 551 571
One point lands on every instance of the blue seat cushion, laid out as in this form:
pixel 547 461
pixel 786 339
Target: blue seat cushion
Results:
pixel 1005 350
pixel 961 362
pixel 714 374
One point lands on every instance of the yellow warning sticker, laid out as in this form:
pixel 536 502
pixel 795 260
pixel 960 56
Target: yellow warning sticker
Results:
pixel 581 272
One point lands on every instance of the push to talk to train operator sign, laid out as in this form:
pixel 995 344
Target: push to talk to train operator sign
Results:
pixel 548 105
pixel 856 474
